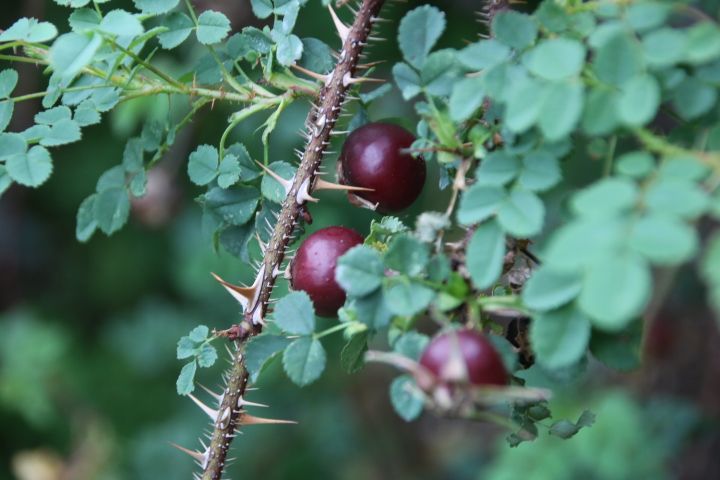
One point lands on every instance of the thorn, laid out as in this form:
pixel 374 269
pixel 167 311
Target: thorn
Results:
pixel 365 66
pixel 216 396
pixel 244 295
pixel 321 184
pixel 303 194
pixel 244 402
pixel 310 73
pixel 200 457
pixel 247 419
pixel 209 411
pixel 263 245
pixel 286 184
pixel 343 30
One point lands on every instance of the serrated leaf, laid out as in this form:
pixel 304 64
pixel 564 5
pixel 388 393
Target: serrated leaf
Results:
pixel 407 79
pixel 185 348
pixel 497 168
pixel 407 254
pixel 5 180
pixel 179 28
pixel 514 29
pixel 317 56
pixel 229 171
pixel 561 108
pixel 406 398
pixel 304 360
pixel 206 356
pixel 540 171
pixel 8 81
pixel 6 112
pixel 351 356
pixel 556 59
pixel 560 337
pixel 271 188
pixel 186 380
pixel 85 223
pixel 294 314
pixel 61 133
pixel 86 114
pixel 615 291
pixel 639 101
pixel 289 50
pixel 485 254
pixel 234 205
pixel 484 54
pixel 467 96
pixel 29 30
pixel 479 202
pixel 121 23
pixel 72 52
pixel 260 350
pixel 155 6
pixel 548 290
pixel 12 145
pixel 405 296
pixel 663 239
pixel 411 344
pixel 373 310
pixel 199 333
pixel 84 20
pixel 112 207
pixel 31 169
pixel 418 32
pixel 203 165
pixel 605 198
pixel 360 271
pixel 212 27
pixel 521 214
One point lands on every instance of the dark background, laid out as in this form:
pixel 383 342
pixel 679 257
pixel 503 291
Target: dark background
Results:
pixel 88 331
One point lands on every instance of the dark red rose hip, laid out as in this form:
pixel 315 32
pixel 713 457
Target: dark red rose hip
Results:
pixel 313 268
pixel 482 364
pixel 372 157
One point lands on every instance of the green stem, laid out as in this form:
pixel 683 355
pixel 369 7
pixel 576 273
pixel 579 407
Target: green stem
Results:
pixel 662 147
pixel 607 168
pixel 336 328
pixel 150 67
pixel 237 117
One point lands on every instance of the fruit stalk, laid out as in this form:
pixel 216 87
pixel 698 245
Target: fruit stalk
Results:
pixel 321 119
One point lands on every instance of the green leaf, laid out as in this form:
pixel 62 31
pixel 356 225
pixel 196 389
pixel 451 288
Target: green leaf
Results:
pixel 72 52
pixel 289 50
pixel 406 398
pixel 271 188
pixel 467 96
pixel 61 133
pixel 479 203
pixel 203 165
pixel 8 81
pixel 583 242
pixel 360 271
pixel 664 47
pixel 406 297
pixel 112 207
pixel 248 168
pixel 484 54
pixel 234 205
pixel 411 344
pixel 616 290
pixel 618 60
pixel 111 178
pixel 540 171
pixel 121 23
pixel 351 356
pixel 206 356
pixel 53 116
pixel 6 111
pixel 5 180
pixel 692 98
pixel 317 56
pixel 439 72
pixel 294 314
pixel 621 351
pixel 84 20
pixel 514 29
pixel 683 168
pixel 485 254
pixel 31 169
pixel 304 360
pixel 637 164
pixel 373 310
pixel 155 6
pixel 86 224
pixel 497 168
pixel 185 348
pixel 643 16
pixel 407 254
pixel 260 350
pixel 703 43
pixel 605 198
pixel 663 239
pixel 525 101
pixel 548 290
pixel 29 30
pixel 185 381
pixel 521 214
pixel 86 114
pixel 12 145
pixel 676 197
pixel 600 113
pixel 561 108
pixel 373 95
pixel 418 32
pixel 407 79
pixel 199 333
pixel 566 429
pixel 229 171
pixel 179 28
pixel 639 101
pixel 560 337
pixel 556 59
pixel 212 27
pixel 133 156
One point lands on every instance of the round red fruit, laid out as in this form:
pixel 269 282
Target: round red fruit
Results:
pixel 373 157
pixel 464 356
pixel 313 268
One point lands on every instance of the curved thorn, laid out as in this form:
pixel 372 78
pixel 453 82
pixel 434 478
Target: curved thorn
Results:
pixel 343 30
pixel 321 184
pixel 209 411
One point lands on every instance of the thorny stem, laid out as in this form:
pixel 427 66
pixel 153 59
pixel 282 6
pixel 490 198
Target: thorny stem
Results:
pixel 320 122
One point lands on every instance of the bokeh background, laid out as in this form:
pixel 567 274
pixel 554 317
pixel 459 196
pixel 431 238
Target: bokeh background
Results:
pixel 88 331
